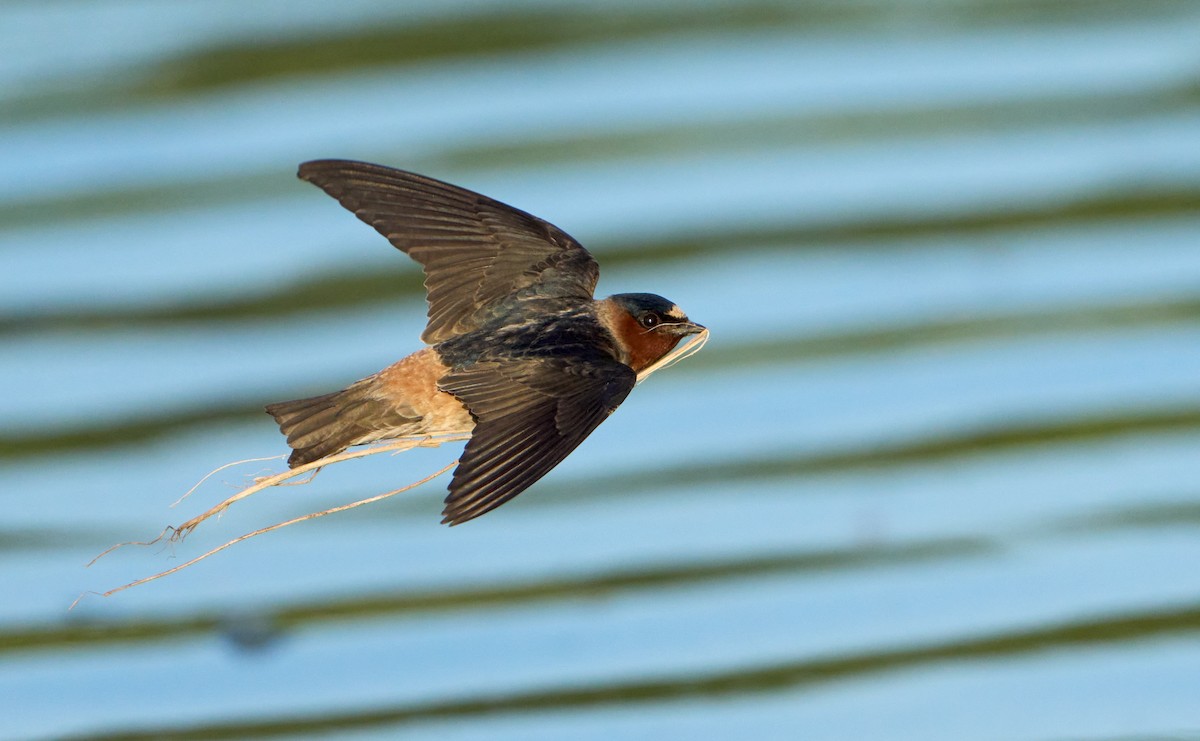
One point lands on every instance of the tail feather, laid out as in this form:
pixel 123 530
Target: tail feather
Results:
pixel 330 423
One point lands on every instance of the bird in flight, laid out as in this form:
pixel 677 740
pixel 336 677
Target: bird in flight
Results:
pixel 518 351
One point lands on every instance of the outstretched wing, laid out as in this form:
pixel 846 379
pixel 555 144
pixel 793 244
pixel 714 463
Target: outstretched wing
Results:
pixel 479 255
pixel 530 415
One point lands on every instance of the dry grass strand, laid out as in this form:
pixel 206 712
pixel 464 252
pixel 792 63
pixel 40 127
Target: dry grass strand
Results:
pixel 686 350
pixel 260 531
pixel 174 534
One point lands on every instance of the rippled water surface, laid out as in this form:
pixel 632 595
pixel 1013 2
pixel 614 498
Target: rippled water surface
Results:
pixel 934 477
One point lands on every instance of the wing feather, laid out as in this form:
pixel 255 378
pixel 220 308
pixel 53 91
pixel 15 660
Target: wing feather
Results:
pixel 480 256
pixel 530 414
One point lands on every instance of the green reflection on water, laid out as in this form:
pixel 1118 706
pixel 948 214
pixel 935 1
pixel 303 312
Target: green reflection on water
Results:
pixel 594 586
pixel 758 133
pixel 940 446
pixel 777 677
pixel 153 425
pixel 493 32
pixel 1154 515
pixel 1087 427
pixel 363 288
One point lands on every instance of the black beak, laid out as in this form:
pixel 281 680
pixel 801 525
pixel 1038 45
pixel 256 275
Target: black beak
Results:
pixel 683 329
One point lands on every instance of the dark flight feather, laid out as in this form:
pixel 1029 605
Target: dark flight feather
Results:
pixel 530 414
pixel 482 258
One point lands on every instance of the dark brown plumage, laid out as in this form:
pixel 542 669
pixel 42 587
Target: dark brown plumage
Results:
pixel 478 254
pixel 522 356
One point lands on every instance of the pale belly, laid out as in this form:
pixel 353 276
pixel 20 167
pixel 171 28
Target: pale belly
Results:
pixel 411 386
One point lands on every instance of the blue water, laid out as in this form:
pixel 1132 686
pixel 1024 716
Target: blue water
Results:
pixel 934 477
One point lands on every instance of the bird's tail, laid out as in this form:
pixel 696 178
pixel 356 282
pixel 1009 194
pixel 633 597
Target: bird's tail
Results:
pixel 328 424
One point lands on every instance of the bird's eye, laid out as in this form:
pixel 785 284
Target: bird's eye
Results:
pixel 649 321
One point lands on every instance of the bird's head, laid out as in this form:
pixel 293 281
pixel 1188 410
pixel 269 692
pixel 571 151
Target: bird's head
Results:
pixel 646 326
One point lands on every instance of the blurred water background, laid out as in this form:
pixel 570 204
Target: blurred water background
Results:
pixel 935 477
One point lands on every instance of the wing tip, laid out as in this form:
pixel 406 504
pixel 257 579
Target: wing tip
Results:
pixel 450 519
pixel 312 168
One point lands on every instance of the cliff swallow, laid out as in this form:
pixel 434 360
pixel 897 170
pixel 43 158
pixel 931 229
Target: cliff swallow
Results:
pixel 519 353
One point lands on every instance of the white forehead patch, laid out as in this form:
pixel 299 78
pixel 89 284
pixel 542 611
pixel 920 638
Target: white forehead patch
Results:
pixel 675 312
